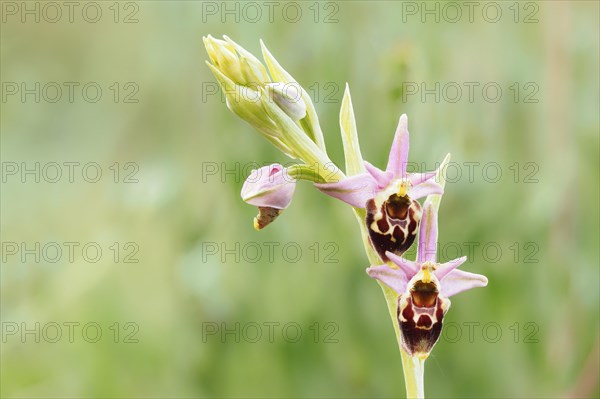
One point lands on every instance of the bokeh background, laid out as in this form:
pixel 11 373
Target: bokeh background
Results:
pixel 175 206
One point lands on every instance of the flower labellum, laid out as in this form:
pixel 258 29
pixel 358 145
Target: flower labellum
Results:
pixel 392 220
pixel 424 287
pixel 421 310
pixel 269 188
pixel 265 216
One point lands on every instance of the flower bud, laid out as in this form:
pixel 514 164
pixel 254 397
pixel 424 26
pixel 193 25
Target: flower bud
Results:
pixel 288 96
pixel 245 103
pixel 280 109
pixel 254 71
pixel 311 122
pixel 270 188
pixel 223 56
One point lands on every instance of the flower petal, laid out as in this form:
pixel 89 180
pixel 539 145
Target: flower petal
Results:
pixel 409 267
pixel 394 278
pixel 419 178
pixel 354 190
pixel 269 186
pixel 443 269
pixel 428 235
pixel 426 188
pixel 459 281
pixel 382 178
pixel 399 152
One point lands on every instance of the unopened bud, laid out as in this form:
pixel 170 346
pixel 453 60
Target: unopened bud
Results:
pixel 224 57
pixel 288 96
pixel 254 71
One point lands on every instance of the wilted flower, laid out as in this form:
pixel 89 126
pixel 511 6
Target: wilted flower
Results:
pixel 423 287
pixel 270 188
pixel 389 196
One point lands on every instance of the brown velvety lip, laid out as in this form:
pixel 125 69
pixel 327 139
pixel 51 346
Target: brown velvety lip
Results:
pixel 424 295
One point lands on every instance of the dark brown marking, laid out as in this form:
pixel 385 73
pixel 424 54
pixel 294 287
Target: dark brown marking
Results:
pixel 265 216
pixel 424 321
pixel 397 226
pixel 420 337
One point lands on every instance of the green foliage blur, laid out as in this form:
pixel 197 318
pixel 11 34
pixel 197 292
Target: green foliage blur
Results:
pixel 203 270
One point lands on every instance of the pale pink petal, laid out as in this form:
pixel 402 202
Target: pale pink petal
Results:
pixel 426 188
pixel 428 234
pixel 443 269
pixel 393 278
pixel 354 190
pixel 269 186
pixel 458 281
pixel 418 178
pixel 409 267
pixel 382 178
pixel 399 152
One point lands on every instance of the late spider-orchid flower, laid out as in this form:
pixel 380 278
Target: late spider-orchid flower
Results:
pixel 423 287
pixel 389 197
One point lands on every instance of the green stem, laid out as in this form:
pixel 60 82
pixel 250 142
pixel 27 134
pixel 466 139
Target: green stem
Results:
pixel 413 367
pixel 414 370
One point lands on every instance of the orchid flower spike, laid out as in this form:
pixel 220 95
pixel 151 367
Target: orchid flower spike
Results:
pixel 423 288
pixel 270 188
pixel 389 196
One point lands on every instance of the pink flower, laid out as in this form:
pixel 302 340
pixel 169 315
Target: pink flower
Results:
pixel 269 188
pixel 389 196
pixel 423 287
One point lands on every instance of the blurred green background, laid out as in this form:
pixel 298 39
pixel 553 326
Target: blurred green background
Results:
pixel 175 206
